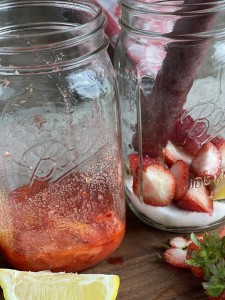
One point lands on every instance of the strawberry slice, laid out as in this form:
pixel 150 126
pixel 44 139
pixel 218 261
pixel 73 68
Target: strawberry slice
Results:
pixel 189 133
pixel 222 232
pixel 158 184
pixel 176 257
pixel 179 242
pixel 134 161
pixel 186 127
pixel 196 199
pixel 180 172
pixel 220 145
pixel 172 153
pixel 192 145
pixel 207 162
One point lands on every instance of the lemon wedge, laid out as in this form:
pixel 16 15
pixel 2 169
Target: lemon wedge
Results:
pixel 44 285
pixel 219 190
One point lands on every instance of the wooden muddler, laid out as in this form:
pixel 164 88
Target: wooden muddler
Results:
pixel 161 107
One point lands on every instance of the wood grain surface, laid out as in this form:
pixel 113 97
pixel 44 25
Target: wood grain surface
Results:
pixel 143 275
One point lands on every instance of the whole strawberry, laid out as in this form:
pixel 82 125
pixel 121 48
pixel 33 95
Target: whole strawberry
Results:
pixel 204 252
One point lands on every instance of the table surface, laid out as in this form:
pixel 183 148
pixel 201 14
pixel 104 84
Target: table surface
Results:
pixel 143 275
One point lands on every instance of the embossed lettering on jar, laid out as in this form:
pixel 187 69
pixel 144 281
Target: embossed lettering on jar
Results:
pixel 62 201
pixel 170 64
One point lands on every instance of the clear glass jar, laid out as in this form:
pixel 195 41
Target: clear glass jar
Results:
pixel 170 64
pixel 62 198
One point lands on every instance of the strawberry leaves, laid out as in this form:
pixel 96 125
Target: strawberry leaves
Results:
pixel 215 286
pixel 205 257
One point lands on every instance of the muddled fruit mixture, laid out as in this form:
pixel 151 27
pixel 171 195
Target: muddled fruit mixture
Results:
pixel 68 225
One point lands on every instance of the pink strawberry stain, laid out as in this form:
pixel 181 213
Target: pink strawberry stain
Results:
pixel 38 121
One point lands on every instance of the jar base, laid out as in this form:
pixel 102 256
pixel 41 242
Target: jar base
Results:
pixel 151 223
pixel 76 259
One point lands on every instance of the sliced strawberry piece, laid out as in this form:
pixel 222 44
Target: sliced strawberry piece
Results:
pixel 172 153
pixel 220 145
pixel 189 133
pixel 192 145
pixel 222 232
pixel 207 162
pixel 196 199
pixel 179 242
pixel 176 257
pixel 134 161
pixel 158 184
pixel 180 171
pixel 187 128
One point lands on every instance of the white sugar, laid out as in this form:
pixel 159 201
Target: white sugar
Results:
pixel 171 216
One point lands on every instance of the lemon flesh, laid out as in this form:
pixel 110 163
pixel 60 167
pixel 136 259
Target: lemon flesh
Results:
pixel 19 285
pixel 219 191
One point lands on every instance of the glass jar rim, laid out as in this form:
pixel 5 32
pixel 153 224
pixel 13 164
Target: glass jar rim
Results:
pixel 78 32
pixel 173 6
pixel 48 35
pixel 175 19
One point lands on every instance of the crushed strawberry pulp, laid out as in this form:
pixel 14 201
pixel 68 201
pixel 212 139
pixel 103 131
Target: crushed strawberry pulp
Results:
pixel 68 225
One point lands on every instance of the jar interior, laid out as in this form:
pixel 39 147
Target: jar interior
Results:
pixel 22 14
pixel 31 29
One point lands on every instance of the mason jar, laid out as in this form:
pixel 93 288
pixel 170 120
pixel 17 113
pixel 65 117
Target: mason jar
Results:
pixel 170 65
pixel 62 204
